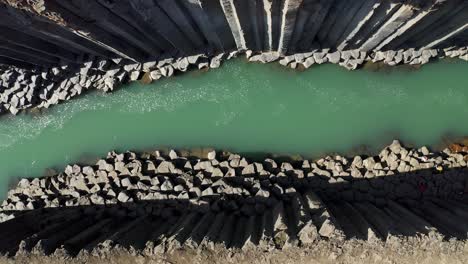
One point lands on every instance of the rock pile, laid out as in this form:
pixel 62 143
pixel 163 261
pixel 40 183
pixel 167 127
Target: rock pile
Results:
pixel 234 182
pixel 40 88
pixel 353 59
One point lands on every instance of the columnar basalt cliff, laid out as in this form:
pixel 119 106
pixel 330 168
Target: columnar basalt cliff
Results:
pixel 157 203
pixel 153 203
pixel 54 50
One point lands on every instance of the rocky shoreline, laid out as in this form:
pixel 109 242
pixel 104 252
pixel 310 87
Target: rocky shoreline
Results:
pixel 198 202
pixel 22 89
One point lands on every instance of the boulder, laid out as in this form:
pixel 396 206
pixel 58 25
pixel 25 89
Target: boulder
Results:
pixel 203 165
pixel 249 170
pixel 270 164
pixel 286 166
pixel 216 61
pixel 179 188
pixel 320 57
pixel 334 57
pixel 308 234
pixel 125 182
pixel 194 58
pixel 395 147
pixel 369 163
pixel 89 171
pixel 167 186
pixel 357 162
pixel 173 155
pixel 424 150
pixel 123 197
pixel 155 75
pixel 286 60
pixel 165 167
pixel 134 75
pixel 211 155
pixel 217 173
pixel 309 62
pixel 207 192
pixel 167 71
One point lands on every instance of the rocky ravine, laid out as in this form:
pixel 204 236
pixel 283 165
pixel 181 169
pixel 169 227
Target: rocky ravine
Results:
pixel 157 203
pixel 55 50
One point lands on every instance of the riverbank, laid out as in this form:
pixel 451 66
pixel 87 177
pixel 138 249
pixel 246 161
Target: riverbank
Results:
pixel 36 89
pixel 225 200
pixel 138 168
pixel 313 113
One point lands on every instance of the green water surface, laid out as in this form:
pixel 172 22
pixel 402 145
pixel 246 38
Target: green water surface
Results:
pixel 246 108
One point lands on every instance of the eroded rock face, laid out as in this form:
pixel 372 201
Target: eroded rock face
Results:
pixel 55 50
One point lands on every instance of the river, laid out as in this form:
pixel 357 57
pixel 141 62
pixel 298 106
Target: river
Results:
pixel 246 108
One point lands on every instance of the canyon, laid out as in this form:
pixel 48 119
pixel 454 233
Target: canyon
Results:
pixel 190 204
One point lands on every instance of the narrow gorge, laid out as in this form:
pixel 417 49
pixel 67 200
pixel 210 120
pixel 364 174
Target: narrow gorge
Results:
pixel 237 131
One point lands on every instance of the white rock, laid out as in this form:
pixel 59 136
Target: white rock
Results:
pixel 211 155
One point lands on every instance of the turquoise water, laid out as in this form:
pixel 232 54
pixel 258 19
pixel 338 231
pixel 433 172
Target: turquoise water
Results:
pixel 246 108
